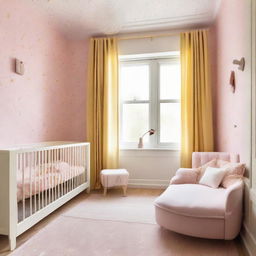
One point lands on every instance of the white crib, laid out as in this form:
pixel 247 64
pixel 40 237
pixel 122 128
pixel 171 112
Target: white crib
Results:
pixel 37 179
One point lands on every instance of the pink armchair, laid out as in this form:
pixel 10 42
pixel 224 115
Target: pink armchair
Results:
pixel 201 211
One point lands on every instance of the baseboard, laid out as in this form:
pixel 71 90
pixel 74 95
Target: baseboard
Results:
pixel 148 183
pixel 248 241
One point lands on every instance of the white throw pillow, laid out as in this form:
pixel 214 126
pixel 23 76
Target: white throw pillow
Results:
pixel 212 177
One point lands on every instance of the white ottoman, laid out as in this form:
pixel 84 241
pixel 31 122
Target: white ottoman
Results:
pixel 114 177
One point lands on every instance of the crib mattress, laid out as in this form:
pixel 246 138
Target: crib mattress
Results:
pixel 33 180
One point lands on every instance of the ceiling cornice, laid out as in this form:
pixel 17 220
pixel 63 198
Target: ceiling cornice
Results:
pixel 166 22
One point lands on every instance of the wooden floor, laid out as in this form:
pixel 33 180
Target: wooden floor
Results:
pixel 34 230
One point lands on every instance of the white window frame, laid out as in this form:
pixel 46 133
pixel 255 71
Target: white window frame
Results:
pixel 154 98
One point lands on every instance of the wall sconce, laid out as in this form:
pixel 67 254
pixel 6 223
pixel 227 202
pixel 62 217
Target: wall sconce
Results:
pixel 151 132
pixel 19 67
pixel 240 63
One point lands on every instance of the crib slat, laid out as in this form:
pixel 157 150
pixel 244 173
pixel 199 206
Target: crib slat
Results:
pixel 63 178
pixel 20 165
pixel 71 163
pixel 23 186
pixel 60 177
pixel 44 173
pixel 46 159
pixel 81 163
pixel 69 174
pixel 69 169
pixel 40 180
pixel 84 164
pixel 44 156
pixel 76 164
pixel 34 167
pixel 30 183
pixel 56 177
pixel 51 174
pixel 72 160
pixel 65 174
pixel 43 177
pixel 48 164
pixel 74 168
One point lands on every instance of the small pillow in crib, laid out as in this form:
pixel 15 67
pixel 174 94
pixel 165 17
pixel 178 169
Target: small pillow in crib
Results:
pixel 212 177
pixel 62 166
pixel 185 176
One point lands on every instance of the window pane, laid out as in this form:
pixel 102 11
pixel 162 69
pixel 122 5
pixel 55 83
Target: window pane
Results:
pixel 169 81
pixel 170 122
pixel 135 122
pixel 135 82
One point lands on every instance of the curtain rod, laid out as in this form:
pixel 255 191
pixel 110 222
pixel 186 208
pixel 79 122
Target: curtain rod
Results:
pixel 156 35
pixel 147 36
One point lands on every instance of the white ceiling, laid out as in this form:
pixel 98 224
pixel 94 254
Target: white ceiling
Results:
pixel 97 17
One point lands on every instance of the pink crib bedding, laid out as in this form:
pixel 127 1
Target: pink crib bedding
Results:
pixel 38 179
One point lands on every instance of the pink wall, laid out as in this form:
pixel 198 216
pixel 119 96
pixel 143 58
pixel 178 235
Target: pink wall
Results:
pixel 48 101
pixel 230 39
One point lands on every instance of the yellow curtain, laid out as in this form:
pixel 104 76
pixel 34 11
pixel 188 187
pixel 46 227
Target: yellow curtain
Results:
pixel 102 106
pixel 196 96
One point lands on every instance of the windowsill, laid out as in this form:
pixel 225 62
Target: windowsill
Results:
pixel 149 152
pixel 149 149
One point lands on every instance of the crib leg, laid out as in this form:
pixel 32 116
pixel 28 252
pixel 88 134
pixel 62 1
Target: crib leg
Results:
pixel 12 242
pixel 88 190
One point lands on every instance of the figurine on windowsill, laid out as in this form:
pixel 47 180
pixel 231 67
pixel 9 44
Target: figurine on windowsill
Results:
pixel 151 132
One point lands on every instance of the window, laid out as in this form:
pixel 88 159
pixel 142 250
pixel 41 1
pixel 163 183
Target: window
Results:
pixel 150 98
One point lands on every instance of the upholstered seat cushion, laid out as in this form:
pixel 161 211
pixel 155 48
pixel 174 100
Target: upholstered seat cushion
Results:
pixel 193 200
pixel 114 177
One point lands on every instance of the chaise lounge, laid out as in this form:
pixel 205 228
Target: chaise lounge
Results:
pixel 201 211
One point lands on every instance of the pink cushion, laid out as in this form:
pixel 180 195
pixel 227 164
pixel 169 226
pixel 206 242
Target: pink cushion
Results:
pixel 185 176
pixel 221 163
pixel 212 177
pixel 200 158
pixel 235 168
pixel 230 180
pixel 193 200
pixel 202 168
pixel 234 171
